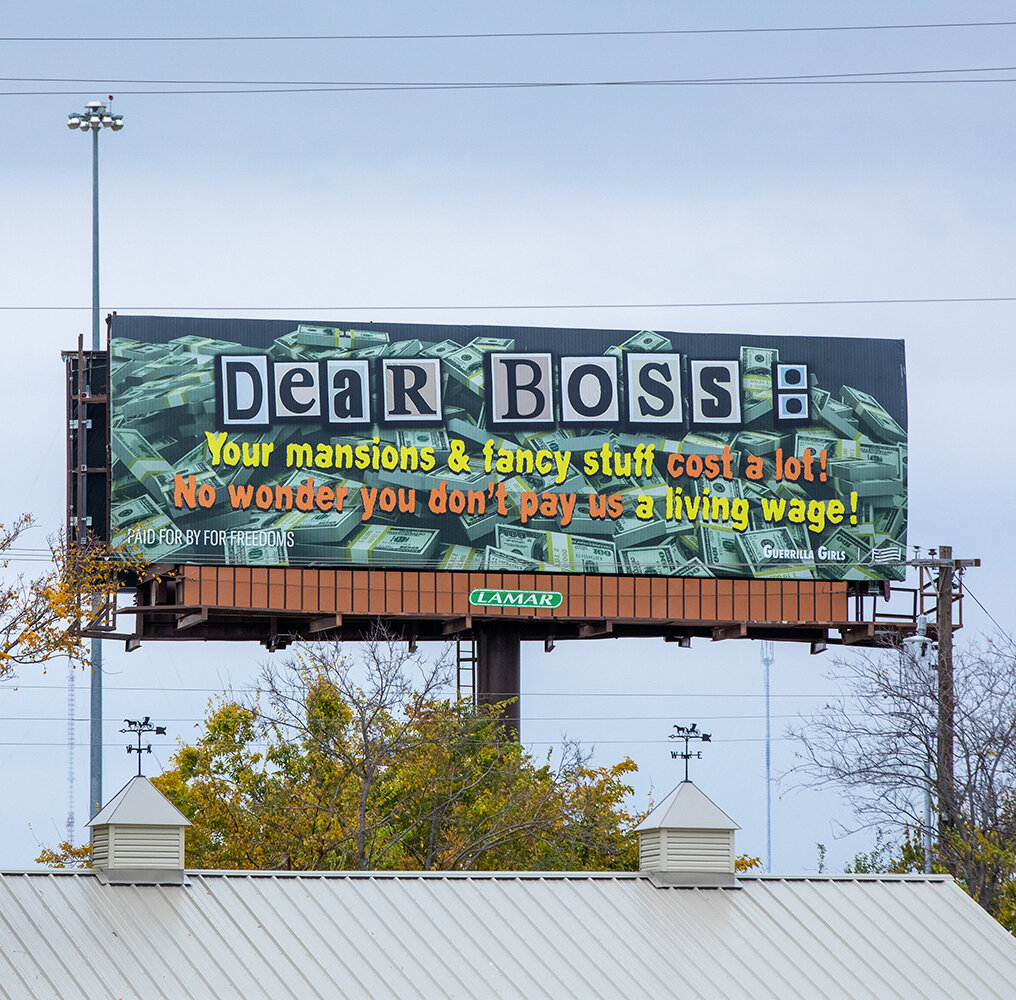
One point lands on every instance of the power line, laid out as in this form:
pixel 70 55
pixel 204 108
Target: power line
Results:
pixel 543 85
pixel 991 617
pixel 528 718
pixel 940 300
pixel 483 85
pixel 647 32
pixel 244 688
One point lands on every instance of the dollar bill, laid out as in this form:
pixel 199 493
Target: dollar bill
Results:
pixel 125 348
pixel 477 526
pixel 758 442
pixel 757 361
pixel 523 542
pixel 889 520
pixel 511 562
pixel 208 346
pixel 843 548
pixel 577 554
pixel 238 553
pixel 659 560
pixel 132 512
pixel 856 397
pixel 643 342
pixel 139 457
pixel 729 489
pixel 757 408
pixel 868 487
pixel 289 348
pixel 693 567
pixel 718 549
pixel 167 394
pixel 880 423
pixel 839 417
pixel 631 530
pixel 333 337
pixel 891 455
pixel 374 351
pixel 818 439
pixel 436 438
pixel 460 557
pixel 712 444
pixel 319 526
pixel 392 545
pixel 776 552
pixel 484 344
pixel 856 470
pixel 871 413
pixel 465 366
pixel 440 350
pixel 403 349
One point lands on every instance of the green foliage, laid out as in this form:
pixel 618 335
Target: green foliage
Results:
pixel 880 859
pixel 330 776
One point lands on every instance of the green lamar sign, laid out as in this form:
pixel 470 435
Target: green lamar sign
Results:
pixel 515 598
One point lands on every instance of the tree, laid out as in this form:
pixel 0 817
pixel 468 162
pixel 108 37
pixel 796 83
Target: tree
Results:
pixel 367 765
pixel 877 743
pixel 38 614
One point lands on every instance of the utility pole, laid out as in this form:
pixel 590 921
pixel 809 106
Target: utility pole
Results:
pixel 946 694
pixel 945 567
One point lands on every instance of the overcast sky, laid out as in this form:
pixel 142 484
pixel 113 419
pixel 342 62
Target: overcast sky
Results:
pixel 452 205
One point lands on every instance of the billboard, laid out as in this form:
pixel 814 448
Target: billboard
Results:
pixel 503 449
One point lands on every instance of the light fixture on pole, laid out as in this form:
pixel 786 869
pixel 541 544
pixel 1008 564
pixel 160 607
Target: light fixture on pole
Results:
pixel 96 117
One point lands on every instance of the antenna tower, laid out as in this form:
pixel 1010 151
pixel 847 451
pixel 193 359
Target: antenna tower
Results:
pixel 768 657
pixel 70 751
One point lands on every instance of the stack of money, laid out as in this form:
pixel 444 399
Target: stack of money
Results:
pixel 644 342
pixel 460 557
pixel 164 401
pixel 495 560
pixel 391 545
pixel 871 413
pixel 757 377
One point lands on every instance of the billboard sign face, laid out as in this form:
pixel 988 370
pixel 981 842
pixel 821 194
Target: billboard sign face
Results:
pixel 502 449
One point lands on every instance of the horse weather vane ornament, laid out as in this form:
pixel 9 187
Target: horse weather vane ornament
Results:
pixel 139 727
pixel 688 733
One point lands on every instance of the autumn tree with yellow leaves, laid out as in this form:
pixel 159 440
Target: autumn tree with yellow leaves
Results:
pixel 40 615
pixel 368 765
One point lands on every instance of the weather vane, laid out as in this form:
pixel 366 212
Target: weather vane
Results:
pixel 139 727
pixel 688 733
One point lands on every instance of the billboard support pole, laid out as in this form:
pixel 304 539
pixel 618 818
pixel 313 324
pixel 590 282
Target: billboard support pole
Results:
pixel 498 657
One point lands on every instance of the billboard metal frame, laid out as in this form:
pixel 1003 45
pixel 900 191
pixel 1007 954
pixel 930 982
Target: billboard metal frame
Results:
pixel 177 601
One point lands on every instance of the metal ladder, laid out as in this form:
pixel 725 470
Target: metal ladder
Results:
pixel 465 668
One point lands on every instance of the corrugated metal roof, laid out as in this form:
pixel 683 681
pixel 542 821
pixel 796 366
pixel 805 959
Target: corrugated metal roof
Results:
pixel 687 807
pixel 549 936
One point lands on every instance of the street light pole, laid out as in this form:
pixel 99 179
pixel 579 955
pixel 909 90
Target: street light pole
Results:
pixel 95 117
pixel 96 344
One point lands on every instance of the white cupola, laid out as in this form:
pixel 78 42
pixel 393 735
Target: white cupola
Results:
pixel 138 837
pixel 687 840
